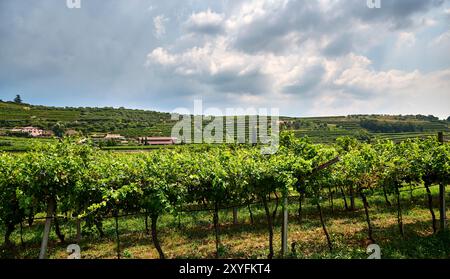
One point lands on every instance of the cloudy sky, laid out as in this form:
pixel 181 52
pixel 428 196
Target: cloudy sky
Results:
pixel 325 57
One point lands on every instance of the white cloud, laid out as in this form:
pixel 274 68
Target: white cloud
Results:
pixel 283 53
pixel 406 40
pixel 301 78
pixel 159 25
pixel 429 22
pixel 205 22
pixel 306 57
pixel 160 56
pixel 441 40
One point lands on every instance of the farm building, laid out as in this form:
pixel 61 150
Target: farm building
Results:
pixel 33 131
pixel 115 137
pixel 157 140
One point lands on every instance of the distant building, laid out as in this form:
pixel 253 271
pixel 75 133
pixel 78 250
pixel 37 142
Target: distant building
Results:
pixel 47 133
pixel 157 140
pixel 33 131
pixel 116 137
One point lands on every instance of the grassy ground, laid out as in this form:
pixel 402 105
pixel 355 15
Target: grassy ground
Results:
pixel 191 235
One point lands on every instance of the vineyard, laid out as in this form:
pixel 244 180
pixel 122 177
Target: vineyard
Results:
pixel 66 184
pixel 131 123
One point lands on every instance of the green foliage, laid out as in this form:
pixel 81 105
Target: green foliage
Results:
pixel 128 122
pixel 18 99
pixel 58 129
pixel 135 123
pixel 89 184
pixel 389 127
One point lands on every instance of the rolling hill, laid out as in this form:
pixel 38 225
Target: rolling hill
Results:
pixel 133 123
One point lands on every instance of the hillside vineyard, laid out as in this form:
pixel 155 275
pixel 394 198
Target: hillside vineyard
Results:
pixel 78 181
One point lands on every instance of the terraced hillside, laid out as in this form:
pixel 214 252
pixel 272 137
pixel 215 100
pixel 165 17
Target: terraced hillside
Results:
pixel 395 127
pixel 128 122
pixel 133 123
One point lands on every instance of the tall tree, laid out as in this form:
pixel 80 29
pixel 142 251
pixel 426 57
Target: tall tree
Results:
pixel 58 129
pixel 18 99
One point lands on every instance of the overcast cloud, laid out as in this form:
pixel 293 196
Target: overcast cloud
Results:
pixel 325 57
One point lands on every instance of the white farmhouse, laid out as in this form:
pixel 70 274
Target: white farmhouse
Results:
pixel 32 131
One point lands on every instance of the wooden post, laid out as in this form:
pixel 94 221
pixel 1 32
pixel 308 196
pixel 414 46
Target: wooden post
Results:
pixel 78 230
pixel 235 216
pixel 326 165
pixel 284 227
pixel 48 223
pixel 443 216
pixel 442 209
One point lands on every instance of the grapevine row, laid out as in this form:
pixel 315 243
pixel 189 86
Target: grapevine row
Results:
pixel 75 179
